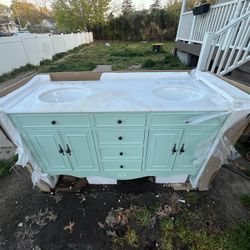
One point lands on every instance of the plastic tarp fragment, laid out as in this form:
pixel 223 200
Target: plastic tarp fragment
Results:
pixel 24 154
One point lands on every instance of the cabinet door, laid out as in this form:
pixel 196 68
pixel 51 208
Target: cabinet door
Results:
pixel 46 146
pixel 195 143
pixel 80 149
pixel 162 144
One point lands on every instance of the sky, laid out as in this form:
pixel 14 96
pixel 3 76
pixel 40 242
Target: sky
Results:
pixel 139 4
pixel 6 2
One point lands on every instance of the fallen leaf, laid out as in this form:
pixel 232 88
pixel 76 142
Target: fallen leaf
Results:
pixel 101 225
pixel 165 212
pixel 111 219
pixel 248 156
pixel 174 203
pixel 51 216
pixel 182 201
pixel 122 218
pixel 111 233
pixel 58 198
pixel 82 198
pixel 69 227
pixel 36 248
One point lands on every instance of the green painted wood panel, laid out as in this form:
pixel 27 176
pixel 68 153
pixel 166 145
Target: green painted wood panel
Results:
pixel 120 136
pixel 60 120
pixel 160 145
pixel 120 120
pixel 81 154
pixel 121 151
pixel 193 140
pixel 95 144
pixel 46 145
pixel 179 118
pixel 122 165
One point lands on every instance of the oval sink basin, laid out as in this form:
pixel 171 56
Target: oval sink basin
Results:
pixel 63 95
pixel 178 94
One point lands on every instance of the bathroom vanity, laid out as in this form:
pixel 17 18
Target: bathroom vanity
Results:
pixel 123 126
pixel 115 145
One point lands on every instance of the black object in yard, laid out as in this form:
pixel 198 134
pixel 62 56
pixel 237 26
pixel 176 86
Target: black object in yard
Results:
pixel 157 47
pixel 202 9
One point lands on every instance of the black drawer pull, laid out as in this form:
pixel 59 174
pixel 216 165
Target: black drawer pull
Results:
pixel 120 138
pixel 53 122
pixel 121 166
pixel 119 121
pixel 182 150
pixel 174 149
pixel 68 151
pixel 61 151
pixel 121 153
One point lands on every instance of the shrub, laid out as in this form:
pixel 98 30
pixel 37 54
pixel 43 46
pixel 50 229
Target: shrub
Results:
pixel 245 200
pixel 6 165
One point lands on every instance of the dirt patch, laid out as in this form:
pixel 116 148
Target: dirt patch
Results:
pixel 30 218
pixel 13 80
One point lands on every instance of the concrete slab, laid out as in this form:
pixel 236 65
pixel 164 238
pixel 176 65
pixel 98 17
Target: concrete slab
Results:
pixel 103 68
pixel 7 149
pixel 4 141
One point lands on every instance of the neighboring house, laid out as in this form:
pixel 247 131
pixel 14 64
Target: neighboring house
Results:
pixel 7 26
pixel 48 24
pixel 217 41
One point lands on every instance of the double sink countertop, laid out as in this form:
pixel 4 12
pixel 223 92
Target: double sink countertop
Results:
pixel 126 92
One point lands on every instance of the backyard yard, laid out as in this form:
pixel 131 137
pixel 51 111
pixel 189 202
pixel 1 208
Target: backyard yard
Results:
pixel 135 214
pixel 121 55
pixel 132 215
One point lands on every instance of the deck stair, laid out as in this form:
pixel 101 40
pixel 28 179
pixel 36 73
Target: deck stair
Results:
pixel 223 34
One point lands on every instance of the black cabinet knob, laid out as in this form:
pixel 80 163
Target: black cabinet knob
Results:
pixel 120 138
pixel 121 166
pixel 121 153
pixel 119 121
pixel 53 122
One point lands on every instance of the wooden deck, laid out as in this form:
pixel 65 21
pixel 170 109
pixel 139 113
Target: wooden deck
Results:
pixel 193 49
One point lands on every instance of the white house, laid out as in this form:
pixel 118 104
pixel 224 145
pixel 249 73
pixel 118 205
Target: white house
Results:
pixel 48 23
pixel 7 26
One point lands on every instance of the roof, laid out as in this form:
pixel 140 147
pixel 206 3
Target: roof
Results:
pixel 4 20
pixel 49 20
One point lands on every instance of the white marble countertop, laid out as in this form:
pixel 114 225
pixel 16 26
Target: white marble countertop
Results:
pixel 126 92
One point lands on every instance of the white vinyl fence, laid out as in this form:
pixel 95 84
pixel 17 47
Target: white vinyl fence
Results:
pixel 33 48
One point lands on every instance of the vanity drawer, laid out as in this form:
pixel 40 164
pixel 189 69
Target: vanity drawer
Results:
pixel 120 136
pixel 122 165
pixel 170 119
pixel 121 151
pixel 120 120
pixel 53 120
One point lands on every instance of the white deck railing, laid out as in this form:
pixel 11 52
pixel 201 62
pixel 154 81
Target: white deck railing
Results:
pixel 193 28
pixel 228 48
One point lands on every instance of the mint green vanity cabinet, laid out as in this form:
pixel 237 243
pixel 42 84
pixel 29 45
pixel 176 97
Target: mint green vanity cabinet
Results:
pixel 120 142
pixel 79 148
pixel 64 150
pixel 193 140
pixel 162 147
pixel 116 145
pixel 46 145
pixel 175 149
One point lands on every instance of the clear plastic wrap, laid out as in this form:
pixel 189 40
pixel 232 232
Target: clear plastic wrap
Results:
pixel 24 154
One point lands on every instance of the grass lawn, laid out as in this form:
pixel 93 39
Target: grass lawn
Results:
pixel 121 55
